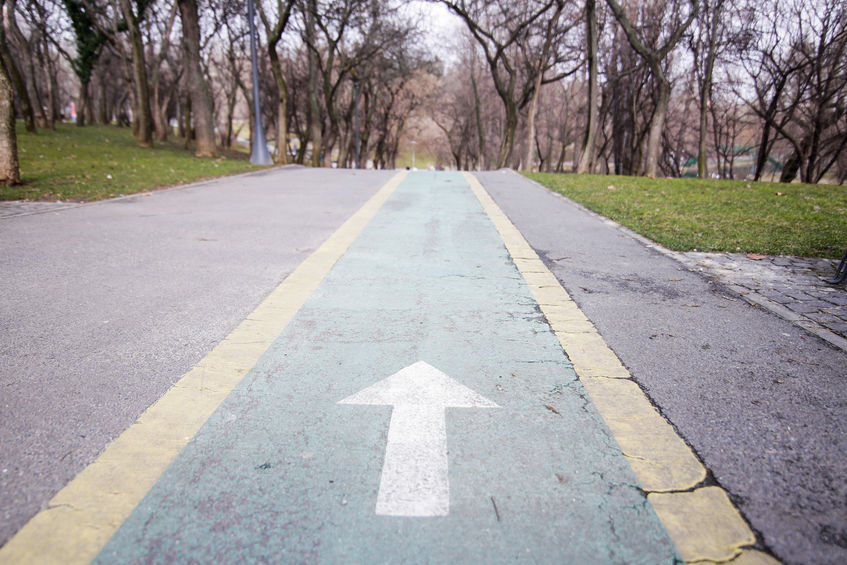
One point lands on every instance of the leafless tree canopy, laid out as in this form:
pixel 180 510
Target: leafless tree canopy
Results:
pixel 752 89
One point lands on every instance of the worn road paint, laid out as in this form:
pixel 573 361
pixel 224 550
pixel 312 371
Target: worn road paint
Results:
pixel 82 516
pixel 414 479
pixel 703 523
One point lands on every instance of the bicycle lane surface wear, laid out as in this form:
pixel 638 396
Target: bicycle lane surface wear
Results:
pixel 295 465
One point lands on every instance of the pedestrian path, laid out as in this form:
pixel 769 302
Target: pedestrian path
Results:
pixel 404 396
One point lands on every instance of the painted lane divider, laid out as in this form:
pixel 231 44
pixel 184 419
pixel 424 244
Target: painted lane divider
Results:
pixel 81 518
pixel 414 478
pixel 702 521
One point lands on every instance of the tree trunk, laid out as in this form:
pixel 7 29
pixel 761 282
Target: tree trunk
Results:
pixel 281 116
pixel 188 126
pixel 160 119
pixel 226 139
pixel 143 117
pixel 160 127
pixel 702 157
pixel 15 77
pixel 251 109
pixel 102 107
pixel 762 154
pixel 479 129
pixel 657 125
pixel 706 92
pixel 201 98
pixel 274 33
pixel 587 153
pixel 52 83
pixel 509 128
pixel 82 109
pixel 28 63
pixel 314 114
pixel 10 173
pixel 530 130
pixel 654 58
pixel 560 163
pixel 45 77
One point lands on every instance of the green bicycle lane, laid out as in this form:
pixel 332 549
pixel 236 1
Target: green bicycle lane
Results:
pixel 418 408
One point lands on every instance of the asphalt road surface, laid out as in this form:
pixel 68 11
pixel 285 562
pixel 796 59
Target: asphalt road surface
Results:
pixel 105 306
pixel 763 403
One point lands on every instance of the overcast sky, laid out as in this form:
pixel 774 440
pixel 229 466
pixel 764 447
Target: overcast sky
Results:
pixel 441 27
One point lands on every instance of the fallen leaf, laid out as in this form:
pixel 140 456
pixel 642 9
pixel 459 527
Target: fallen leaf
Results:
pixel 675 280
pixel 551 409
pixel 756 256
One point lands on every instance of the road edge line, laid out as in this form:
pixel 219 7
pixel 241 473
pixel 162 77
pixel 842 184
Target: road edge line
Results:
pixel 81 518
pixel 702 522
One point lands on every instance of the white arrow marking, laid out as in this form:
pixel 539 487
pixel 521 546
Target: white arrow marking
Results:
pixel 414 476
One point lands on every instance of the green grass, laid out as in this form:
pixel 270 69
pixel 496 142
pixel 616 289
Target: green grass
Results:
pixel 717 215
pixel 97 162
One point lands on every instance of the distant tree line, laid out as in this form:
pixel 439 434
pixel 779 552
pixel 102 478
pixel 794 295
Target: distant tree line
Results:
pixel 651 88
pixel 659 87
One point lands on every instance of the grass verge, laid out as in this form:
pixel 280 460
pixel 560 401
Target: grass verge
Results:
pixel 717 215
pixel 97 162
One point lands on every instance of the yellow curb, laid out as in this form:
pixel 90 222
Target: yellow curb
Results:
pixel 82 516
pixel 703 524
pixel 597 361
pixel 531 265
pixel 661 461
pixel 753 557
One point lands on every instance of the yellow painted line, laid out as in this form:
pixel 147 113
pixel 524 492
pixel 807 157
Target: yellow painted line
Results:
pixel 82 517
pixel 702 522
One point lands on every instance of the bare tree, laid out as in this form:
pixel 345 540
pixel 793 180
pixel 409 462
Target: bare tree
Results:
pixel 587 152
pixel 707 42
pixel 274 31
pixel 25 48
pixel 201 98
pixel 654 46
pixel 16 77
pixel 551 32
pixel 770 64
pixel 500 29
pixel 132 15
pixel 817 132
pixel 158 102
pixel 10 173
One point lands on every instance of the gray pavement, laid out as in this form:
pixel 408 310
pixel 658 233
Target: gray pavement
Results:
pixel 105 305
pixel 760 399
